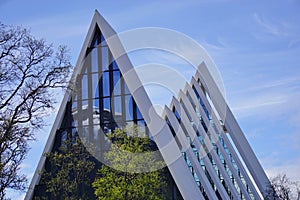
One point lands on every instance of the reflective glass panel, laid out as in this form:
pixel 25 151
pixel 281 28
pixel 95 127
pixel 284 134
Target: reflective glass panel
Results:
pixel 84 116
pixel 95 89
pixel 128 107
pixel 105 58
pixel 103 42
pixel 114 65
pixel 117 108
pixel 105 83
pixel 96 104
pixel 126 89
pixel 84 87
pixel 106 104
pixel 117 83
pixel 138 113
pixel 94 60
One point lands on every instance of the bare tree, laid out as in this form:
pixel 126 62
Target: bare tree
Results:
pixel 30 71
pixel 282 188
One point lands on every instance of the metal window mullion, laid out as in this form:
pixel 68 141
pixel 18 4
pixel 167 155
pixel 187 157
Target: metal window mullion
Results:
pixel 122 85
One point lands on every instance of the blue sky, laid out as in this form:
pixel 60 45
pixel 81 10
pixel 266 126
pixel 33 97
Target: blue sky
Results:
pixel 255 45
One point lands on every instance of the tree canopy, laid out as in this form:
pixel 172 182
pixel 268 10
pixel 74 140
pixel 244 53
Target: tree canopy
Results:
pixel 119 180
pixel 71 173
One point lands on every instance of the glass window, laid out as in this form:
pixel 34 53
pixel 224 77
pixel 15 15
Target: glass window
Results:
pixel 74 135
pixel 103 42
pixel 138 113
pixel 94 58
pixel 84 70
pixel 64 136
pixel 75 97
pixel 114 65
pixel 95 89
pixel 106 114
pixel 96 112
pixel 117 83
pixel 96 104
pixel 105 58
pixel 126 89
pixel 84 87
pixel 177 115
pixel 128 107
pixel 117 108
pixel 96 132
pixel 106 104
pixel 105 83
pixel 74 106
pixel 84 115
pixel 109 127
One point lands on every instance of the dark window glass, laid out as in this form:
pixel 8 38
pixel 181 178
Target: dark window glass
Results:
pixel 117 83
pixel 64 136
pixel 129 107
pixel 114 65
pixel 138 113
pixel 105 83
pixel 105 59
pixel 177 115
pixel 74 135
pixel 95 89
pixel 103 42
pixel 109 127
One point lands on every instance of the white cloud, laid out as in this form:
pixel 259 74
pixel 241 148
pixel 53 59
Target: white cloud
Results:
pixel 269 99
pixel 290 168
pixel 269 27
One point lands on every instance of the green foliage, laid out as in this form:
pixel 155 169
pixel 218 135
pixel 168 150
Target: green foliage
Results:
pixel 70 176
pixel 128 176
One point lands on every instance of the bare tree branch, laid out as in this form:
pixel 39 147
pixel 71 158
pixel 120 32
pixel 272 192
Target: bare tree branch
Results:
pixel 30 71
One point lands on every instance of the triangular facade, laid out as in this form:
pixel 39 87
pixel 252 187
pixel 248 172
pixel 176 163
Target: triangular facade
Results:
pixel 207 154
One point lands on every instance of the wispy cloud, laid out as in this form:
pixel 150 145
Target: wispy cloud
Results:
pixel 274 166
pixel 269 99
pixel 276 29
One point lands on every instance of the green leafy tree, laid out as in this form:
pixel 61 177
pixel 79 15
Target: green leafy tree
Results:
pixel 133 173
pixel 71 173
pixel 30 73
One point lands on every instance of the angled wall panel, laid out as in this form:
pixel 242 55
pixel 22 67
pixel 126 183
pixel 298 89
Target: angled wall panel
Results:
pixel 191 133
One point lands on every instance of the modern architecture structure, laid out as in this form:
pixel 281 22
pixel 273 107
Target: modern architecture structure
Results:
pixel 204 148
